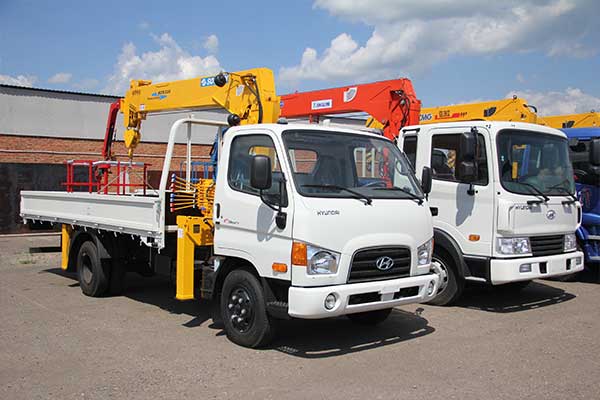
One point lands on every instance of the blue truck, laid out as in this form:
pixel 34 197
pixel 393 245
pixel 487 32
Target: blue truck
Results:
pixel 584 144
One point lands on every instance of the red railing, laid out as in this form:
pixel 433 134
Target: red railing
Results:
pixel 107 176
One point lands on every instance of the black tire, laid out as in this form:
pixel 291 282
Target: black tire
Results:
pixel 370 318
pixel 244 310
pixel 92 275
pixel 451 286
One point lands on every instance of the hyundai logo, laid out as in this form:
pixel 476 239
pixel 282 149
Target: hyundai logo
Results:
pixel 551 214
pixel 384 263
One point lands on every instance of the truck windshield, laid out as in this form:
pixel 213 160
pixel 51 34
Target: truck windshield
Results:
pixel 338 164
pixel 535 163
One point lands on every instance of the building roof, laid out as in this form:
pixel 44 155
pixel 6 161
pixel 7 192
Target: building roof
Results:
pixel 57 91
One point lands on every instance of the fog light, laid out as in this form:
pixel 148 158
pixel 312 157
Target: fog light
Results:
pixel 578 260
pixel 430 288
pixel 525 268
pixel 330 301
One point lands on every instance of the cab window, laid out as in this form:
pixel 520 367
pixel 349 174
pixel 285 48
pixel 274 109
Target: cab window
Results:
pixel 243 149
pixel 445 156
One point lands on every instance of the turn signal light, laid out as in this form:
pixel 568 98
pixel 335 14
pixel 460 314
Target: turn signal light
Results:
pixel 474 238
pixel 299 254
pixel 279 267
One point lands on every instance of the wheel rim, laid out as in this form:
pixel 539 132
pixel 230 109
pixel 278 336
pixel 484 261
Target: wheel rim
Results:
pixel 86 268
pixel 441 270
pixel 240 309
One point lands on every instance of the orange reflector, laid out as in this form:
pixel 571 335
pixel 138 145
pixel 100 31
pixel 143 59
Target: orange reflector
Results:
pixel 474 238
pixel 299 254
pixel 279 267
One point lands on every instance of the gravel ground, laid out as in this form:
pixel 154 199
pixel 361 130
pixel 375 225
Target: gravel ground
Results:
pixel 56 343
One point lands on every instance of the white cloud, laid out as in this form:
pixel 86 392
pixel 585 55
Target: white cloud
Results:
pixel 61 77
pixel 169 62
pixel 520 78
pixel 144 25
pixel 569 101
pixel 19 80
pixel 211 44
pixel 409 36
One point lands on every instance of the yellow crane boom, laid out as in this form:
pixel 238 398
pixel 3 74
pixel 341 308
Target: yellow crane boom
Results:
pixel 583 120
pixel 514 109
pixel 249 95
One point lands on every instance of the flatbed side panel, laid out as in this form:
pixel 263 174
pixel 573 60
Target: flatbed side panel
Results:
pixel 125 214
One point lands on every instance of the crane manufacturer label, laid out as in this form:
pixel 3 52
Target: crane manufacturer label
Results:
pixel 209 81
pixel 321 104
pixel 350 94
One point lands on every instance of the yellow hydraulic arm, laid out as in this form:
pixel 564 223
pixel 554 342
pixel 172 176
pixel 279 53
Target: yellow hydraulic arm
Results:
pixel 249 95
pixel 584 120
pixel 514 109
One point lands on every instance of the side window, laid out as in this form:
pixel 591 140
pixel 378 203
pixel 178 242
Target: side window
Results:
pixel 243 149
pixel 445 157
pixel 410 149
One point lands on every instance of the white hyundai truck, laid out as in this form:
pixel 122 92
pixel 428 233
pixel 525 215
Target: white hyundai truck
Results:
pixel 503 200
pixel 298 221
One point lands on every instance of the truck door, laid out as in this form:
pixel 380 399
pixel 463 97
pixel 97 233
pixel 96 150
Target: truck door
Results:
pixel 468 219
pixel 245 226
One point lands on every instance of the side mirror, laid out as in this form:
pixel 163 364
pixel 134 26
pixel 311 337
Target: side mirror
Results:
pixel 261 176
pixel 595 152
pixel 466 172
pixel 468 145
pixel 426 179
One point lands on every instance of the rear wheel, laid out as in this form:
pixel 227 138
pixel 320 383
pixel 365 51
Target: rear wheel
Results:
pixel 451 286
pixel 244 311
pixel 370 317
pixel 92 275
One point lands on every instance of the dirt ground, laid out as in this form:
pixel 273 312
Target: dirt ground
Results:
pixel 58 344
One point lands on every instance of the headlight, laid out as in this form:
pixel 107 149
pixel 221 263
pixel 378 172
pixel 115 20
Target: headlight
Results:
pixel 514 245
pixel 570 242
pixel 321 261
pixel 424 252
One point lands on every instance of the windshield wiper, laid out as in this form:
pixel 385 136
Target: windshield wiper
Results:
pixel 410 194
pixel 537 191
pixel 559 186
pixel 357 195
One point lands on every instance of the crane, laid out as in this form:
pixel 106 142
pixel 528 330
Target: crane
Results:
pixel 393 103
pixel 583 120
pixel 513 109
pixel 249 95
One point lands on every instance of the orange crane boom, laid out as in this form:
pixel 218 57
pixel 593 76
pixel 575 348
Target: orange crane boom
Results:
pixel 392 103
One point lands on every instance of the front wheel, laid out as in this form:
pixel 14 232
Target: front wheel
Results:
pixel 450 287
pixel 244 311
pixel 371 318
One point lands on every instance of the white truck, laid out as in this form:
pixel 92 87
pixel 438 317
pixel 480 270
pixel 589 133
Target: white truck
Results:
pixel 298 224
pixel 503 200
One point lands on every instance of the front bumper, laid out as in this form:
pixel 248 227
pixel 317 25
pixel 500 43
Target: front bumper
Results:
pixel 308 302
pixel 507 270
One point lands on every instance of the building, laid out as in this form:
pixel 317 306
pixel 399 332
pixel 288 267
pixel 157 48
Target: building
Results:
pixel 40 129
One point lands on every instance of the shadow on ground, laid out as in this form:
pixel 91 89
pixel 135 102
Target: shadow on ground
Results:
pixel 339 336
pixel 500 299
pixel 300 338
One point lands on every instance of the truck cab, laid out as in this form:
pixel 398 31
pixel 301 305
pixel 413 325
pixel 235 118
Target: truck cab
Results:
pixel 584 151
pixel 504 202
pixel 334 216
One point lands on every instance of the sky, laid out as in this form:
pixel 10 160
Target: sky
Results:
pixel 454 51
